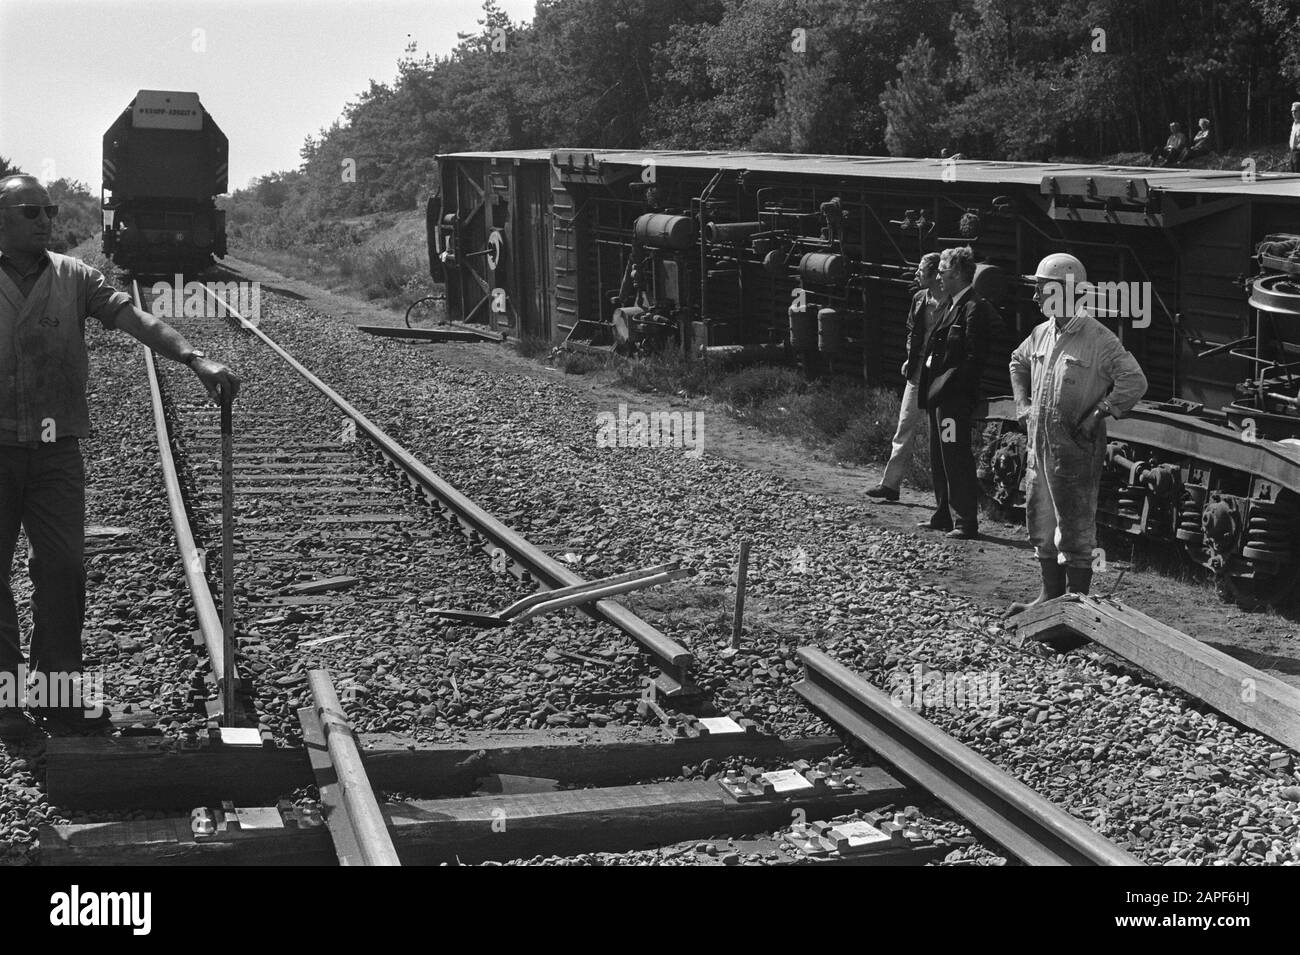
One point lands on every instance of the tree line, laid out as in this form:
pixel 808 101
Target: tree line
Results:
pixel 997 79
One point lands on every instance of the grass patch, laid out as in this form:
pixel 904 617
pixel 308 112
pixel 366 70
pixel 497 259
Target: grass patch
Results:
pixel 580 363
pixel 669 372
pixel 852 422
pixel 380 258
pixel 532 346
pixel 753 387
pixel 382 275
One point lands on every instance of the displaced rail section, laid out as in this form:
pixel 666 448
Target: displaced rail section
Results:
pixel 1012 814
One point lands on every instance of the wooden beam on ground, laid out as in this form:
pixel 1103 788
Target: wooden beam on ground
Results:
pixel 150 773
pixel 478 828
pixel 1249 696
pixel 441 333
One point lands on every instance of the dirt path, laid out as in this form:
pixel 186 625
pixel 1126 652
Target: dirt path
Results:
pixel 996 570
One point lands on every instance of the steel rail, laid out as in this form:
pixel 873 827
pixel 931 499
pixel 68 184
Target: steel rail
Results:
pixel 367 829
pixel 205 608
pixel 672 658
pixel 1027 825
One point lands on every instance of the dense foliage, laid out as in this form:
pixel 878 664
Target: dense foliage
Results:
pixel 997 79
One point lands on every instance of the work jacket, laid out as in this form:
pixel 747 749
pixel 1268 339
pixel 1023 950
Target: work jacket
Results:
pixel 43 360
pixel 1059 378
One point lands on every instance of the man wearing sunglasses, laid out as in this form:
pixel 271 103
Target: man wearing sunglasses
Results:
pixel 45 299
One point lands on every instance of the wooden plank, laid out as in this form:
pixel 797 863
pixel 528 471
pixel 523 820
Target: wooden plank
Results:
pixel 302 600
pixel 579 757
pixel 476 828
pixel 320 585
pixel 147 773
pixel 350 494
pixel 311 468
pixel 363 519
pixel 1249 696
pixel 274 477
pixel 1045 622
pixel 438 334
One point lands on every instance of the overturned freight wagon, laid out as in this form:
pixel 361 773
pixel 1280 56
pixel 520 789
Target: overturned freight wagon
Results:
pixel 810 259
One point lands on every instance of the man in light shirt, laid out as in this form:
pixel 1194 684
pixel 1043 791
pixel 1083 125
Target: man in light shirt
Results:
pixel 927 306
pixel 45 300
pixel 1294 142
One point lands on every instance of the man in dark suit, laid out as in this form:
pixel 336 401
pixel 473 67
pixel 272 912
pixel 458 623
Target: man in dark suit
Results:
pixel 948 390
pixel 927 305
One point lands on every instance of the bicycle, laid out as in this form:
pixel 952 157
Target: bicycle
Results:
pixel 427 311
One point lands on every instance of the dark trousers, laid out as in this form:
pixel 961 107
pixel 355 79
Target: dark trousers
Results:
pixel 952 467
pixel 1295 160
pixel 43 489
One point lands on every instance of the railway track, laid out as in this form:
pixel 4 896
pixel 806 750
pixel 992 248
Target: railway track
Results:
pixel 318 485
pixel 342 497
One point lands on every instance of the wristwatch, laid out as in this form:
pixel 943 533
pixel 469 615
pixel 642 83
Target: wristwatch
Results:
pixel 193 354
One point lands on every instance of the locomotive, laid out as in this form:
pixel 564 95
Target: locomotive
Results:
pixel 164 161
pixel 759 256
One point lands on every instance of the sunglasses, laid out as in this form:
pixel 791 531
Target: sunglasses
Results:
pixel 33 211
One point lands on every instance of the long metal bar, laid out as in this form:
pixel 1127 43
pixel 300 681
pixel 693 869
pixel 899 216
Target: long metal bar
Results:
pixel 566 597
pixel 600 593
pixel 205 608
pixel 228 714
pixel 364 816
pixel 742 573
pixel 546 596
pixel 672 658
pixel 1030 827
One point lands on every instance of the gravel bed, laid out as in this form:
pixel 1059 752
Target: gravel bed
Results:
pixel 1143 764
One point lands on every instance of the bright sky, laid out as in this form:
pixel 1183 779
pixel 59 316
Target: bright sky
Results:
pixel 270 72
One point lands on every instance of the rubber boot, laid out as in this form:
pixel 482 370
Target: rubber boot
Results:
pixel 1079 579
pixel 1054 582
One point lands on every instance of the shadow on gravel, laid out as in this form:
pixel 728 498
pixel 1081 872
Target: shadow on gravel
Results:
pixel 1260 661
pixel 285 292
pixel 1015 543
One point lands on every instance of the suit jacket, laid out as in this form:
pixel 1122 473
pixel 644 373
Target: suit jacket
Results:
pixel 955 355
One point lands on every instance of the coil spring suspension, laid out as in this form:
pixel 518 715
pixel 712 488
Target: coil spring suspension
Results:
pixel 1190 507
pixel 1270 532
pixel 1129 498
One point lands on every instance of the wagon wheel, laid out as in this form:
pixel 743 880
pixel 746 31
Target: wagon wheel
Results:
pixel 427 311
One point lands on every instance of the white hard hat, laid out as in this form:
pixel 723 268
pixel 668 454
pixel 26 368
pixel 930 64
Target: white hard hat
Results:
pixel 1057 266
